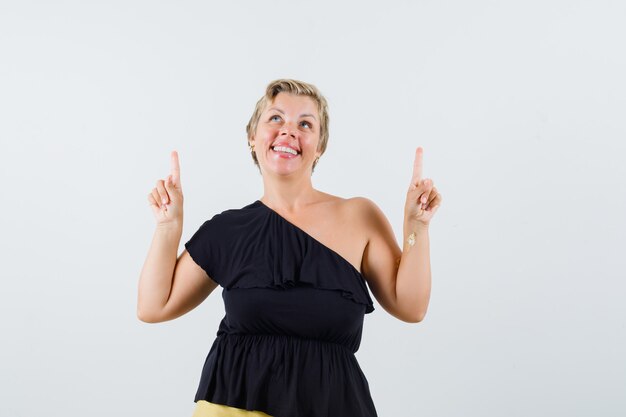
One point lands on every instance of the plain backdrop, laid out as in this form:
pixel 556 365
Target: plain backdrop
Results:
pixel 519 106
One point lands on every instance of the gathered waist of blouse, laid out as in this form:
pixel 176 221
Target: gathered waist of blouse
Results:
pixel 284 341
pixel 285 375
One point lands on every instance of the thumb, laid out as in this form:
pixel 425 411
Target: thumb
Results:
pixel 418 188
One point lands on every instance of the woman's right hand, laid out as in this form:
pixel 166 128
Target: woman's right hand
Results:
pixel 166 199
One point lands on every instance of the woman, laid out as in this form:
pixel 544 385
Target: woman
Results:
pixel 294 267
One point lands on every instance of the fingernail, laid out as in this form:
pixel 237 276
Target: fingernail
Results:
pixel 164 200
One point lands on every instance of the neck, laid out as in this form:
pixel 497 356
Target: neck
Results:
pixel 288 194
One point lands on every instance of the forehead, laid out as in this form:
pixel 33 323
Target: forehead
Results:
pixel 293 103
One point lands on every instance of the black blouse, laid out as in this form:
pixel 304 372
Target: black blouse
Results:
pixel 294 318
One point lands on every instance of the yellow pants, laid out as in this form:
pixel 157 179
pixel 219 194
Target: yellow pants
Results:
pixel 207 409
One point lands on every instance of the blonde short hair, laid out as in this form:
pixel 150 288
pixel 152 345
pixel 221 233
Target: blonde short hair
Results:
pixel 298 88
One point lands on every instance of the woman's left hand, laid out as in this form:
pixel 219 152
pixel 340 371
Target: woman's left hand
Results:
pixel 422 199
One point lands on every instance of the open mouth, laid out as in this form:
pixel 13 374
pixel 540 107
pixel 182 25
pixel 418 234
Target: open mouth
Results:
pixel 285 149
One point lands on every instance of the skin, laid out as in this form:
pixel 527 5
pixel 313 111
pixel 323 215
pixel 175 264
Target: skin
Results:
pixel 355 228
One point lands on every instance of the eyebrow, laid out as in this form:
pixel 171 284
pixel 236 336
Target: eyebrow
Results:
pixel 282 112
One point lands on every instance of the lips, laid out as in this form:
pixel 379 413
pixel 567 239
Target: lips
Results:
pixel 285 145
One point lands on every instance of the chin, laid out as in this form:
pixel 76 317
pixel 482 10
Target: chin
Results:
pixel 282 170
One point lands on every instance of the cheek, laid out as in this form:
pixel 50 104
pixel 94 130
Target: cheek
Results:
pixel 266 133
pixel 314 142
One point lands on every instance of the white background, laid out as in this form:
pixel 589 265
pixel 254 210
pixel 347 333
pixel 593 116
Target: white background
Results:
pixel 519 107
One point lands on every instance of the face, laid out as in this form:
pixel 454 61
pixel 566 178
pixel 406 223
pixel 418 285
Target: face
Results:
pixel 287 135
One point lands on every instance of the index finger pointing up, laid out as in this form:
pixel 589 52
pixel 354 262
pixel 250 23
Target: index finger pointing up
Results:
pixel 175 167
pixel 417 166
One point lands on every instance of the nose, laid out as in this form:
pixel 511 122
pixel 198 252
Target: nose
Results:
pixel 288 129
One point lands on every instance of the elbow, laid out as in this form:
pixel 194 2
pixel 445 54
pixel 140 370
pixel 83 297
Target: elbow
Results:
pixel 143 317
pixel 147 317
pixel 409 316
pixel 413 320
pixel 416 317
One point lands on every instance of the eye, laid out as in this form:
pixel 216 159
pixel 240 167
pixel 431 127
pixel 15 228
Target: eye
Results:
pixel 275 118
pixel 306 124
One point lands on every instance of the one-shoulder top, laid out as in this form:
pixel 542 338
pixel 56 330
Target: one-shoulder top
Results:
pixel 294 319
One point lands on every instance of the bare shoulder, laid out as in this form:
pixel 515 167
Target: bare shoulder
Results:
pixel 354 228
pixel 350 203
pixel 361 204
pixel 365 213
pixel 365 219
pixel 354 210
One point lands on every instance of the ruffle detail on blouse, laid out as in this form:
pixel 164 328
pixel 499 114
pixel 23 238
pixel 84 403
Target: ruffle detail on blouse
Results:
pixel 267 251
pixel 274 374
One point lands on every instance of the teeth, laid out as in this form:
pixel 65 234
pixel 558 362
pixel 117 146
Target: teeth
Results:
pixel 285 149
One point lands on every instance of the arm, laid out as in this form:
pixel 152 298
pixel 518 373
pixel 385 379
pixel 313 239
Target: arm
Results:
pixel 401 279
pixel 169 287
